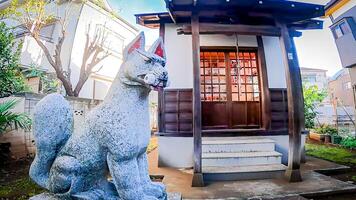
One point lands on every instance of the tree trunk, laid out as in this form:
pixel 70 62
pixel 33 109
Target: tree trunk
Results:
pixel 57 64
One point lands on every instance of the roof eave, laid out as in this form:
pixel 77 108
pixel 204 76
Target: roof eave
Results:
pixel 334 5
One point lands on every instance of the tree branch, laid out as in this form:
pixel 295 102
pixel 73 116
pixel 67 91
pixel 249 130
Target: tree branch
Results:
pixel 92 51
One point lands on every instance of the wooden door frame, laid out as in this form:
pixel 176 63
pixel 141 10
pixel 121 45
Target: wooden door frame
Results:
pixel 227 103
pixel 265 90
pixel 262 67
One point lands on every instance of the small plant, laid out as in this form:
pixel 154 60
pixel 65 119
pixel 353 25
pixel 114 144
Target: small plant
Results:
pixel 48 84
pixel 326 130
pixel 344 131
pixel 349 142
pixel 9 119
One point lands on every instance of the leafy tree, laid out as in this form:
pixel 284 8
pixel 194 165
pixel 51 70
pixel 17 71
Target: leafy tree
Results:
pixel 11 78
pixel 34 15
pixel 9 119
pixel 312 96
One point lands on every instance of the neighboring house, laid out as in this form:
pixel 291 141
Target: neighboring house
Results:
pixel 100 18
pixel 343 16
pixel 317 77
pixel 227 63
pixel 342 99
pixel 313 76
pixel 82 15
pixel 340 87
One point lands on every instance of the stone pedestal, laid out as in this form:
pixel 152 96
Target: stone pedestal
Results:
pixel 44 196
pixel 48 196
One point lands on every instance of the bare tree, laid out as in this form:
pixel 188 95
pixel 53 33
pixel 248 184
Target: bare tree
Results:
pixel 94 53
pixel 33 16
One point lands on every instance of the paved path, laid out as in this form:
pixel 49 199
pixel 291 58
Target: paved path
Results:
pixel 180 181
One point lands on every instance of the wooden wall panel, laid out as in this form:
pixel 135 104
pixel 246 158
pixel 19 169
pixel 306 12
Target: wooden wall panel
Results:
pixel 177 112
pixel 279 109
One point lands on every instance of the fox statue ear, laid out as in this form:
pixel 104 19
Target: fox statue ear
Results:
pixel 158 48
pixel 137 43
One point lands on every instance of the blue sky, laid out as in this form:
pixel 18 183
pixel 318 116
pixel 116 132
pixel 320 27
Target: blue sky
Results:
pixel 316 49
pixel 128 8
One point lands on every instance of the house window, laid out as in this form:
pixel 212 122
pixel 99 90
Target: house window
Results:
pixel 46 32
pixel 338 32
pixel 213 76
pixel 225 74
pixel 309 78
pixel 343 27
pixel 347 85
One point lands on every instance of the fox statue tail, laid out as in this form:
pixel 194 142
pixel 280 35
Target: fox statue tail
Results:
pixel 52 127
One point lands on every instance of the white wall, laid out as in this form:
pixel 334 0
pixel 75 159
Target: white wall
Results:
pixel 282 145
pixel 179 55
pixel 225 40
pixel 32 54
pixel 119 35
pixel 101 88
pixel 179 58
pixel 275 65
pixel 175 152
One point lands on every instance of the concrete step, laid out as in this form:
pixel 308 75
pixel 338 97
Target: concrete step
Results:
pixel 230 145
pixel 241 158
pixel 248 172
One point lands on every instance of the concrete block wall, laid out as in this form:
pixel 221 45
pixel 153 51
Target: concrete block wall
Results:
pixel 22 142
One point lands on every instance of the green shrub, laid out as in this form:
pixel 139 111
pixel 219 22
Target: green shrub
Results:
pixel 11 79
pixel 349 142
pixel 326 130
pixel 312 97
pixel 10 119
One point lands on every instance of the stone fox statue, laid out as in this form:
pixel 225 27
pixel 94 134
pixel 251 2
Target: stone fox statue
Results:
pixel 113 141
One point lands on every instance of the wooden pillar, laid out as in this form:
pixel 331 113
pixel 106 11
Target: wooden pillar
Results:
pixel 265 93
pixel 295 103
pixel 160 103
pixel 198 176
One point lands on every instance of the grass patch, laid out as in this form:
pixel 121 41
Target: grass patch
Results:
pixel 24 187
pixel 20 189
pixel 334 154
pixel 353 178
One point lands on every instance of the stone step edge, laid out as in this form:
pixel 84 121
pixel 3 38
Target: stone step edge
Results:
pixel 244 169
pixel 224 142
pixel 206 155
